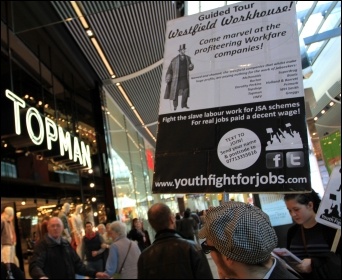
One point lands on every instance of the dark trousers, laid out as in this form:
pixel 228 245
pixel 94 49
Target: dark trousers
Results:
pixel 185 95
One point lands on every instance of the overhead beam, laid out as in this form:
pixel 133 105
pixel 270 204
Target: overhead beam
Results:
pixel 323 36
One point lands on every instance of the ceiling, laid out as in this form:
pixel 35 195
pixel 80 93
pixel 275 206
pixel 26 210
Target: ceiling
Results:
pixel 131 37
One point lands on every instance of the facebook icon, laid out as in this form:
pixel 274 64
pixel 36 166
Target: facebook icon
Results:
pixel 274 160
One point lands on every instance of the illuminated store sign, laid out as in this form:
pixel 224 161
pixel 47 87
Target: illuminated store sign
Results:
pixel 78 151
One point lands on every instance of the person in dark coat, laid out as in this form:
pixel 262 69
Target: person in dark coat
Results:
pixel 139 234
pixel 187 226
pixel 54 258
pixel 171 256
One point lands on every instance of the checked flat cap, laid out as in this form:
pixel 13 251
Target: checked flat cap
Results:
pixel 240 231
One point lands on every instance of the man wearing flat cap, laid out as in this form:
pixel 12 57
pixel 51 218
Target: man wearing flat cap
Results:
pixel 177 78
pixel 240 239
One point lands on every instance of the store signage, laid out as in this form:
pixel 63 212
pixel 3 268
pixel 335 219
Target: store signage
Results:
pixel 77 150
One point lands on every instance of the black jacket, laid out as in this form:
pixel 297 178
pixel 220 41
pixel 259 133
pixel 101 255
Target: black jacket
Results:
pixel 56 261
pixel 135 235
pixel 173 257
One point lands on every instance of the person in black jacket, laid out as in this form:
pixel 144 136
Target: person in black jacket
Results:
pixel 310 240
pixel 54 258
pixel 187 226
pixel 171 256
pixel 139 234
pixel 93 246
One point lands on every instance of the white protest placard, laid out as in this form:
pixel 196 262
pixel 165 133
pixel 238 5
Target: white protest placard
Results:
pixel 329 211
pixel 232 109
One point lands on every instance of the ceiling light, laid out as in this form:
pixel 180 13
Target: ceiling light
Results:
pixel 89 33
pixel 101 54
pixel 331 103
pixel 47 206
pixel 79 14
pixel 315 118
pixel 39 157
pixel 322 112
pixel 92 185
pixel 23 202
pixel 93 199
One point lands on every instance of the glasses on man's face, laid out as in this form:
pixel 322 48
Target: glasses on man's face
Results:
pixel 206 248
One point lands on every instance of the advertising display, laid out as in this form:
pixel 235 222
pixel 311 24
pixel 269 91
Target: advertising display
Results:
pixel 232 112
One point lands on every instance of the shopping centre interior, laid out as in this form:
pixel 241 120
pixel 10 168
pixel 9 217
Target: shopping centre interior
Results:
pixel 104 88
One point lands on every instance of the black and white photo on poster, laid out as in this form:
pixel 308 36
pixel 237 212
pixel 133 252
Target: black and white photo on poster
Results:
pixel 243 129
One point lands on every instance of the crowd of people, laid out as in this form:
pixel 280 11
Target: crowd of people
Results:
pixel 238 236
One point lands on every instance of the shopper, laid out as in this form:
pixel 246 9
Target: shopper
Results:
pixel 240 239
pixel 123 254
pixel 171 256
pixel 54 258
pixel 187 226
pixel 139 234
pixel 310 240
pixel 93 247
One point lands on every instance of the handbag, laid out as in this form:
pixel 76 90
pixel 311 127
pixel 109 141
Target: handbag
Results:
pixel 117 275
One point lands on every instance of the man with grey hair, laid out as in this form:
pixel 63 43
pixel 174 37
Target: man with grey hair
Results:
pixel 123 254
pixel 171 256
pixel 240 239
pixel 54 258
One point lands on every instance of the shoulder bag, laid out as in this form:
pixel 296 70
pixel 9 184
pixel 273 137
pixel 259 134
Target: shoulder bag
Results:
pixel 117 275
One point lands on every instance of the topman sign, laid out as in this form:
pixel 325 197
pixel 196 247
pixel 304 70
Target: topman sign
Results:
pixel 78 151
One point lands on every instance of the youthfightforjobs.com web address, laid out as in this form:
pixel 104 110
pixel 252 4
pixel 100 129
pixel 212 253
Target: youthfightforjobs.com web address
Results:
pixel 220 181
